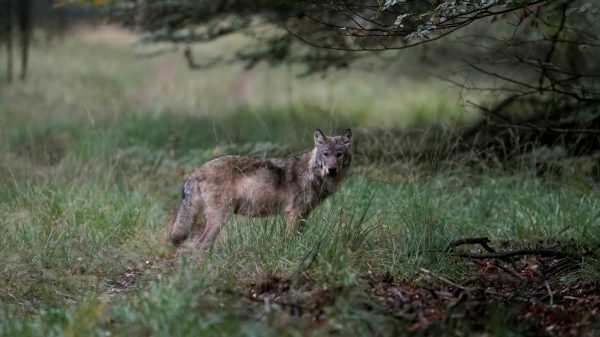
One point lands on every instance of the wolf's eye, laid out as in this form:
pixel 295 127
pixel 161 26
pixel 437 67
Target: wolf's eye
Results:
pixel 339 154
pixel 326 154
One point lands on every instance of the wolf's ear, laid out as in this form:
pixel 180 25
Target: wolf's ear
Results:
pixel 347 137
pixel 319 137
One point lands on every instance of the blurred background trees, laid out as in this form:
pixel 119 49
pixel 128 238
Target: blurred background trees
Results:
pixel 533 63
pixel 15 13
pixel 19 19
pixel 536 61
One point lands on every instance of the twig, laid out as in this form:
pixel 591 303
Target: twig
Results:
pixel 441 278
pixel 548 59
pixel 510 271
pixel 549 292
pixel 547 129
pixel 192 63
pixel 471 280
pixel 470 241
pixel 520 252
pixel 295 309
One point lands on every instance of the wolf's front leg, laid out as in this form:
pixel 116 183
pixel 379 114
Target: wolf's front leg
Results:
pixel 295 223
pixel 215 219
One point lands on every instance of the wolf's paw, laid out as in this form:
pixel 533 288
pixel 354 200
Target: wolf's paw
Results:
pixel 177 240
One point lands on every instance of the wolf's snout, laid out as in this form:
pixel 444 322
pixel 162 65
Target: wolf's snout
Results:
pixel 332 171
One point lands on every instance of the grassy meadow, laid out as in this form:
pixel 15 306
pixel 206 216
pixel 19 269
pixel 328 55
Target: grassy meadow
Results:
pixel 95 145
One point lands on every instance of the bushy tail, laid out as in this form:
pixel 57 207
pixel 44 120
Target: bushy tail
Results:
pixel 187 213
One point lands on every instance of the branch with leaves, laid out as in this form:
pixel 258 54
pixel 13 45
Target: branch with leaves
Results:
pixel 340 26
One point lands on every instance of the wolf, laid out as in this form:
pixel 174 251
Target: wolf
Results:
pixel 258 187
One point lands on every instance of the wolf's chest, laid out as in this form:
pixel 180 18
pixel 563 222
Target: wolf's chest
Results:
pixel 316 192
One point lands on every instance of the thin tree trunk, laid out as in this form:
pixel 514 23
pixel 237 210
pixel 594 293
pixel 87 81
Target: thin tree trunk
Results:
pixel 9 60
pixel 24 18
pixel 6 12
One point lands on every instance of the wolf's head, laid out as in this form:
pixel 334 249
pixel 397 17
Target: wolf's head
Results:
pixel 332 153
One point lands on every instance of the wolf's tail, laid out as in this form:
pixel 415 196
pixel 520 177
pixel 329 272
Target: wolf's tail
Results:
pixel 187 213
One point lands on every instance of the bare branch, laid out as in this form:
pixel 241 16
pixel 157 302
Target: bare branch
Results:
pixel 521 252
pixel 470 241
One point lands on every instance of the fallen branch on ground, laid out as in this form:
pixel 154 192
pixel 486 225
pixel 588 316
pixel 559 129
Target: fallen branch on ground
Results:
pixel 493 254
pixel 520 252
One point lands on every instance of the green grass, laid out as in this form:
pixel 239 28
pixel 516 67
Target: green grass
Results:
pixel 95 147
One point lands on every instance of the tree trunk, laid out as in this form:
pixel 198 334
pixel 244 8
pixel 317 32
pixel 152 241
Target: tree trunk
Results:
pixel 24 18
pixel 6 11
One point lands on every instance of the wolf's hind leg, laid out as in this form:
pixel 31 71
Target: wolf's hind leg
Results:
pixel 188 212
